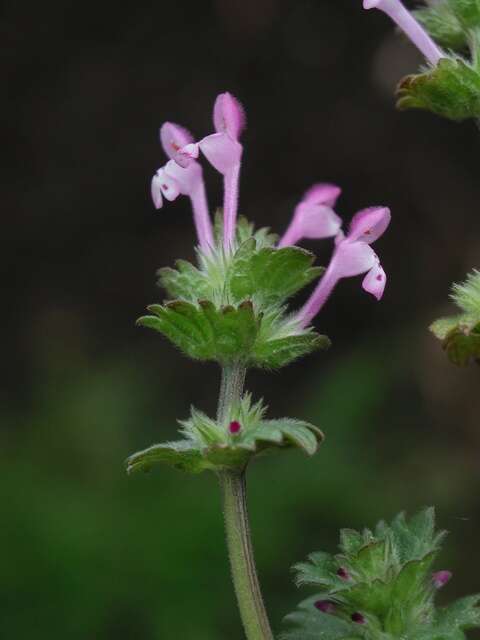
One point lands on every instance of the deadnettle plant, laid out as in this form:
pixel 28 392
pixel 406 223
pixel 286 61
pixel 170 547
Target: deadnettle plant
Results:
pixel 447 33
pixel 231 307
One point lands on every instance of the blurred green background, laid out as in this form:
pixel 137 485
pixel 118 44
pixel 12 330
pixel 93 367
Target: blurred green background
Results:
pixel 89 553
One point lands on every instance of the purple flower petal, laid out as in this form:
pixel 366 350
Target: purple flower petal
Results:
pixel 369 224
pixel 222 151
pixel 228 115
pixel 375 281
pixel 173 137
pixel 323 193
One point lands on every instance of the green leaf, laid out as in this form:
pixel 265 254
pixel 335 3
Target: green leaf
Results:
pixel 284 432
pixel 270 276
pixel 310 624
pixel 204 332
pixel 273 353
pixel 443 25
pixel 467 12
pixel 208 444
pixel 463 614
pixel 450 89
pixel 182 455
pixel 185 282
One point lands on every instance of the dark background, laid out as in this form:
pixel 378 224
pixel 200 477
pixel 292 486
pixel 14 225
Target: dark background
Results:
pixel 86 551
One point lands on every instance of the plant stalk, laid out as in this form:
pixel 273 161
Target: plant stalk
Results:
pixel 237 528
pixel 242 563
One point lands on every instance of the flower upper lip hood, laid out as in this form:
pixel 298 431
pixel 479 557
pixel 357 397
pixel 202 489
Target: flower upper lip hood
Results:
pixel 314 216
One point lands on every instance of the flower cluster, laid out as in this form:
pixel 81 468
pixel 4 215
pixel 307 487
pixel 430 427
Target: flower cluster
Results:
pixel 313 218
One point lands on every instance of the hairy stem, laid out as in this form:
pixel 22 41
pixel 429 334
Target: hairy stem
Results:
pixel 231 389
pixel 237 529
pixel 244 575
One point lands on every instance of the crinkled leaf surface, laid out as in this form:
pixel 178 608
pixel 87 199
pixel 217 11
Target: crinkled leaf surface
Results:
pixel 204 332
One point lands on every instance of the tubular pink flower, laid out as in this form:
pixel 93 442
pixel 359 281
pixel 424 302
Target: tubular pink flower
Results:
pixel 353 256
pixel 224 152
pixel 407 23
pixel 186 178
pixel 314 217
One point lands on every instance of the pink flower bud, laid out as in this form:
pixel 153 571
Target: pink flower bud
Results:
pixel 343 574
pixel 325 606
pixel 234 427
pixel 440 578
pixel 358 618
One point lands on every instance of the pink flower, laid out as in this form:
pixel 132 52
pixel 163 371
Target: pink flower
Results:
pixel 352 256
pixel 314 216
pixel 224 152
pixel 173 180
pixel 407 23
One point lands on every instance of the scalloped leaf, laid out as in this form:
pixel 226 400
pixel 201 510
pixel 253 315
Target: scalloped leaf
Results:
pixel 183 455
pixel 273 353
pixel 204 332
pixel 270 276
pixel 209 445
pixel 450 89
pixel 185 282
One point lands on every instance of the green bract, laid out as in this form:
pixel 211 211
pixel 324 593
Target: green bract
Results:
pixel 208 445
pixel 451 88
pixel 384 577
pixel 231 307
pixel 450 22
pixel 460 334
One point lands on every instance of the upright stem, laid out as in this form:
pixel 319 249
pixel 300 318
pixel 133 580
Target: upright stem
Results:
pixel 237 529
pixel 231 389
pixel 244 574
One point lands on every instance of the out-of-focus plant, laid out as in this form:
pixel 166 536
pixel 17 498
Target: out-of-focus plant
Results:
pixel 460 333
pixel 380 586
pixel 231 308
pixel 447 32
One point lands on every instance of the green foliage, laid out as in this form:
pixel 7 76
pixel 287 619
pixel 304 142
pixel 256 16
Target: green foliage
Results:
pixel 209 445
pixel 385 577
pixel 231 307
pixel 450 22
pixel 204 332
pixel 443 25
pixel 451 89
pixel 460 334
